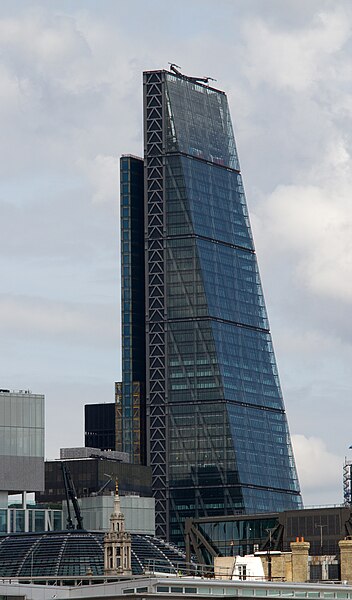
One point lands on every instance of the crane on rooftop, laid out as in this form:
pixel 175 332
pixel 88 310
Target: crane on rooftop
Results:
pixel 176 69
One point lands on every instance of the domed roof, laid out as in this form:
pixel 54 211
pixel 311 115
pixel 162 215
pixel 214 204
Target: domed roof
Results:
pixel 73 553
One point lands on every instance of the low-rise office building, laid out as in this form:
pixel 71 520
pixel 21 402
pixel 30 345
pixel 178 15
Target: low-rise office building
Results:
pixel 233 535
pixel 139 513
pixel 22 463
pixel 93 471
pixel 16 519
pixel 21 444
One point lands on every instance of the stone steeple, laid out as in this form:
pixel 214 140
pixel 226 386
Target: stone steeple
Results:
pixel 117 543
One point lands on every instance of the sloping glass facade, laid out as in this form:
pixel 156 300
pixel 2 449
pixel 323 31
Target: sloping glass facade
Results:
pixel 218 439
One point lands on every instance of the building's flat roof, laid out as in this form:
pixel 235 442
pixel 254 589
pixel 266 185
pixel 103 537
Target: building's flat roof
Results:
pixel 165 586
pixel 189 78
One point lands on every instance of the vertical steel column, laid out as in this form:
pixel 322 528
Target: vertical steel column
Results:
pixel 156 342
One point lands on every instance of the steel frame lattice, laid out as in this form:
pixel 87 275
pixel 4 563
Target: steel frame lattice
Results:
pixel 156 389
pixel 347 482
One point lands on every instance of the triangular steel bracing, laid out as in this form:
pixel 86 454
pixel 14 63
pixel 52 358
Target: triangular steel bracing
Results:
pixel 155 294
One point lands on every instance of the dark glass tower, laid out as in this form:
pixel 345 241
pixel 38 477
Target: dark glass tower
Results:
pixel 217 434
pixel 99 426
pixel 130 394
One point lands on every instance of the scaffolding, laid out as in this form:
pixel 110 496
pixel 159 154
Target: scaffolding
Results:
pixel 347 482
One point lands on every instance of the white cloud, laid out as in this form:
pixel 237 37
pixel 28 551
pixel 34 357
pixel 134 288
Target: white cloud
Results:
pixel 102 172
pixel 71 103
pixel 9 91
pixel 309 224
pixel 39 40
pixel 33 318
pixel 319 470
pixel 294 59
pixel 65 86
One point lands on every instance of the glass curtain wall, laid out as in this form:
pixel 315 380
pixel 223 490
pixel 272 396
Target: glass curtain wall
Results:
pixel 130 396
pixel 215 400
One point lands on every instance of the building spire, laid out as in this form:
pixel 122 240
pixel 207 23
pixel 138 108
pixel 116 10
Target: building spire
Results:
pixel 117 542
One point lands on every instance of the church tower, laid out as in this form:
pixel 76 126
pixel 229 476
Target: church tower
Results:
pixel 117 543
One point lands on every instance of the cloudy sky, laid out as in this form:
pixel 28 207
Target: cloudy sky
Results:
pixel 71 103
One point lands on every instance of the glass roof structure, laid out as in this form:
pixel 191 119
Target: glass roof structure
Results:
pixel 74 553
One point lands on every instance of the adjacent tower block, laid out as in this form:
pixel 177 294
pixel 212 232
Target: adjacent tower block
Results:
pixel 130 394
pixel 22 424
pixel 217 437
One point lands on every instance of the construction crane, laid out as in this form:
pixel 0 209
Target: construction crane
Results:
pixel 176 69
pixel 104 486
pixel 70 493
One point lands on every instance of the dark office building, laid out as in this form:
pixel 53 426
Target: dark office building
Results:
pixel 130 394
pixel 217 435
pixel 99 426
pixel 90 475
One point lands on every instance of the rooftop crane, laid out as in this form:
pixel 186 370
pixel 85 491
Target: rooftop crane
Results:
pixel 70 493
pixel 176 69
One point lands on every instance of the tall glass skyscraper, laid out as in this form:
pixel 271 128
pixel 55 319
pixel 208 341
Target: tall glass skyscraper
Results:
pixel 130 393
pixel 216 433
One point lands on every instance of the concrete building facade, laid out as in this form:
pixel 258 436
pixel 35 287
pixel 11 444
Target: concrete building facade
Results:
pixel 21 443
pixel 139 513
